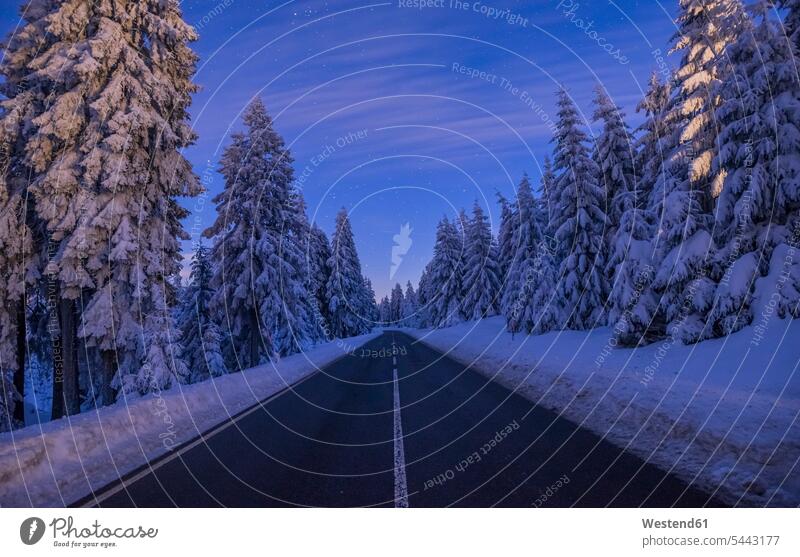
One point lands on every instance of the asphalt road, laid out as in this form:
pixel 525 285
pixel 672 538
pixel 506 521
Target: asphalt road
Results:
pixel 412 429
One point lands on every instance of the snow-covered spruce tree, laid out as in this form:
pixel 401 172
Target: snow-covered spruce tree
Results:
pixel 444 277
pixel 654 139
pixel 370 311
pixel 526 236
pixel 298 326
pixel 410 310
pixel 613 153
pixel 200 334
pixel 396 304
pixel 546 202
pixel 256 249
pixel 760 154
pixel 705 29
pixel 385 312
pixel 633 304
pixel 545 313
pixel 318 253
pixel 686 187
pixel 345 289
pixel 105 109
pixel 791 23
pixel 536 309
pixel 521 284
pixel 423 298
pixel 629 266
pixel 20 232
pixel 481 273
pixel 506 242
pixel 8 401
pixel 578 223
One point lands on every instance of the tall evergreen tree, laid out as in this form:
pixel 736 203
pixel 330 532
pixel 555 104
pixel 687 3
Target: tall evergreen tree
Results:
pixel 506 242
pixel 760 154
pixel 423 298
pixel 545 313
pixel 705 29
pixel 527 237
pixel 385 312
pixel 256 249
pixel 21 232
pixel 370 311
pixel 298 326
pixel 410 309
pixel 628 233
pixel 547 202
pixel 345 289
pixel 613 154
pixel 105 102
pixel 579 222
pixel 481 272
pixel 318 252
pixel 396 304
pixel 444 278
pixel 686 188
pixel 200 334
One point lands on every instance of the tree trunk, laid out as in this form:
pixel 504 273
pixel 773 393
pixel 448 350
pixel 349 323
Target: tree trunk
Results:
pixel 69 347
pixel 107 392
pixel 254 340
pixel 19 372
pixel 57 410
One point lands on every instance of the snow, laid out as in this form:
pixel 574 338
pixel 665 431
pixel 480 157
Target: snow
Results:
pixel 58 463
pixel 722 414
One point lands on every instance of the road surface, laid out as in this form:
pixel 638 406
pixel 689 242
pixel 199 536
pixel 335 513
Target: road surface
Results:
pixel 413 428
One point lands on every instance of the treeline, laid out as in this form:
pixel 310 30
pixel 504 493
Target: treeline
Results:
pixel 686 228
pixel 92 127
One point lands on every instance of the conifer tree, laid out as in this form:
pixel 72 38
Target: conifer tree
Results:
pixel 370 311
pixel 481 273
pixel 256 250
pixel 106 90
pixel 546 312
pixel 527 237
pixel 385 312
pixel 444 278
pixel 506 242
pixel 705 29
pixel 410 311
pixel 547 201
pixel 579 222
pixel 345 289
pixel 613 154
pixel 319 251
pixel 633 304
pixel 760 154
pixel 396 304
pixel 200 334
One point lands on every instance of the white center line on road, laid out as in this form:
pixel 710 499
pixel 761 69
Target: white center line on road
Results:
pixel 400 486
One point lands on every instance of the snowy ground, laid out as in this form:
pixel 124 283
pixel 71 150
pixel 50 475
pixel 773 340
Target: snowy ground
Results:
pixel 59 462
pixel 722 413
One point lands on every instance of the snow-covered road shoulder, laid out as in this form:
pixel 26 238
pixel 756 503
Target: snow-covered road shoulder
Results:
pixel 60 462
pixel 722 414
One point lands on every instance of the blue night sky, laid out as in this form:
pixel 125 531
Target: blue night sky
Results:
pixel 376 103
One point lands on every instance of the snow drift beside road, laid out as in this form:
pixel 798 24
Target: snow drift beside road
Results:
pixel 59 462
pixel 722 414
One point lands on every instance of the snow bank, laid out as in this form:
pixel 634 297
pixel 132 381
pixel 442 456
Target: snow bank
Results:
pixel 722 414
pixel 60 462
